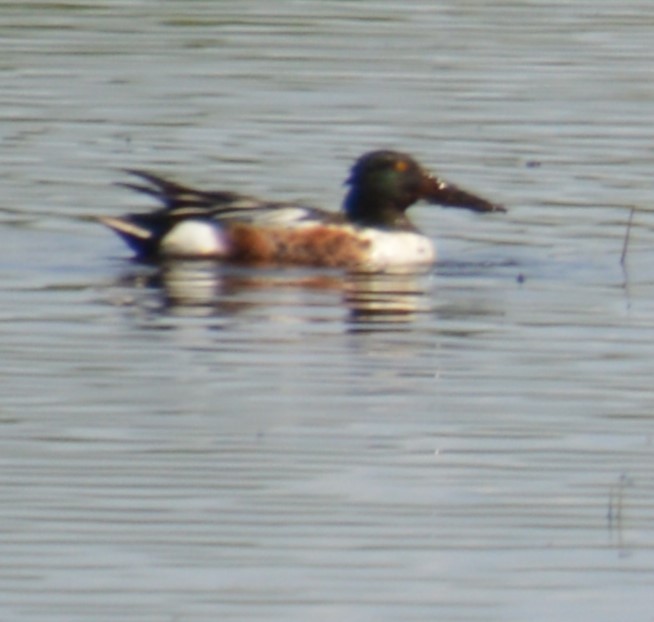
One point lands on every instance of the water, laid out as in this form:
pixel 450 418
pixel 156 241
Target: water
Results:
pixel 202 442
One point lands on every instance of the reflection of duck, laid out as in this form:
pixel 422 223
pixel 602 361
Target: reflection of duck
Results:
pixel 207 289
pixel 371 233
pixel 388 298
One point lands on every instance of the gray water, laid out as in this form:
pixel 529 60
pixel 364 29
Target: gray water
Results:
pixel 203 443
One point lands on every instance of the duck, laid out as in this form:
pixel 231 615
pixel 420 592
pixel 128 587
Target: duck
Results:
pixel 371 232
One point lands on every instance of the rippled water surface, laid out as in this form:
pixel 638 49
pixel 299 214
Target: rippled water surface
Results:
pixel 201 442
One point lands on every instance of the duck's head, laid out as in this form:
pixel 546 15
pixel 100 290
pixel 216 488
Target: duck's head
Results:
pixel 384 184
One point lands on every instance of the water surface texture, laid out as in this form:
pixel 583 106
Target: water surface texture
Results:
pixel 198 442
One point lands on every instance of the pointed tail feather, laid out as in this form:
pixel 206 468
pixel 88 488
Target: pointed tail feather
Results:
pixel 139 238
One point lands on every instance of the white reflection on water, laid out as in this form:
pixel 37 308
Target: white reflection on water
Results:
pixel 372 301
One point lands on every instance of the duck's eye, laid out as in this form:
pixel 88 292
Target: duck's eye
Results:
pixel 401 166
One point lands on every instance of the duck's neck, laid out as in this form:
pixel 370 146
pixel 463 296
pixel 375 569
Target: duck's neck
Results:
pixel 369 209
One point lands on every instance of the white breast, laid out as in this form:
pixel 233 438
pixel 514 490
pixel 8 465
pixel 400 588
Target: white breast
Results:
pixel 403 248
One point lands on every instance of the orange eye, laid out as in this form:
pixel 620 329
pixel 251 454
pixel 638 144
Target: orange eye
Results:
pixel 401 166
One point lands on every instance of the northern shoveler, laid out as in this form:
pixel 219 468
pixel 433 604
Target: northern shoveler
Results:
pixel 371 232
